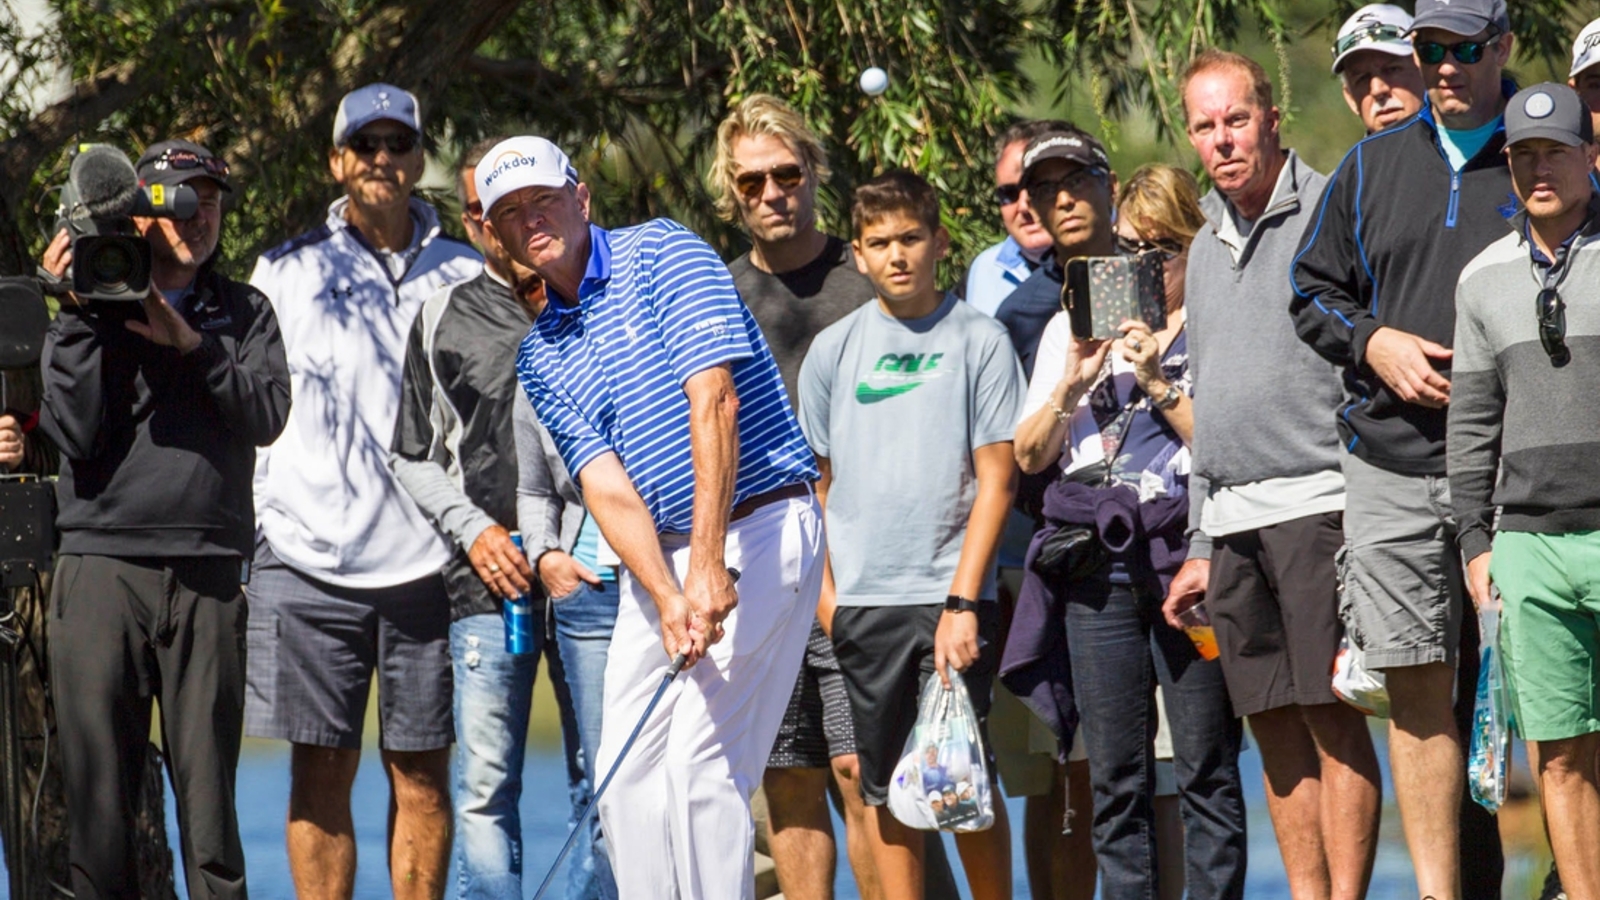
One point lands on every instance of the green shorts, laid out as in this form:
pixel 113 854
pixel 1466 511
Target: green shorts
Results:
pixel 1550 630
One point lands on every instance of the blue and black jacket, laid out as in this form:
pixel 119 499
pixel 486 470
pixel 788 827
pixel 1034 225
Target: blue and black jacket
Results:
pixel 1392 233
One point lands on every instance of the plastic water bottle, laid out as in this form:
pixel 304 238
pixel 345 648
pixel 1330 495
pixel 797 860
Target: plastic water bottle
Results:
pixel 517 613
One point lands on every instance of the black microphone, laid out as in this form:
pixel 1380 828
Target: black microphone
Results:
pixel 105 181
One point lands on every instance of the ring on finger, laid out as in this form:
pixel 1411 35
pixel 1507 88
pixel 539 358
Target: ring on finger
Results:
pixel 1134 345
pixel 494 568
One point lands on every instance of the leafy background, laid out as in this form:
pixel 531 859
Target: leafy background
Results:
pixel 634 89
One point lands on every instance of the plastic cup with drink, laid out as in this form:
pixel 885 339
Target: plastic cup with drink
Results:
pixel 1196 621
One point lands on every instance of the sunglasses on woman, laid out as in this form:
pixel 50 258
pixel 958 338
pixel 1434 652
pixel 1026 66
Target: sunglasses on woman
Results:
pixel 751 184
pixel 1431 53
pixel 1169 248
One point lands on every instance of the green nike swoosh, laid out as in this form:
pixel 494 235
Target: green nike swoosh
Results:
pixel 866 393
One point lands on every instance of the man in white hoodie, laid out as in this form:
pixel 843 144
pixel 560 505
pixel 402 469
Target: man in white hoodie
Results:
pixel 346 573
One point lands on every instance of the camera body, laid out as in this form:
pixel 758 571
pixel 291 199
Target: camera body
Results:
pixel 110 259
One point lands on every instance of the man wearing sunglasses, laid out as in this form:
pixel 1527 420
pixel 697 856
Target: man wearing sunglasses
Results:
pixel 797 280
pixel 346 578
pixel 1374 293
pixel 1266 501
pixel 1527 327
pixel 1001 268
pixel 1373 58
pixel 157 409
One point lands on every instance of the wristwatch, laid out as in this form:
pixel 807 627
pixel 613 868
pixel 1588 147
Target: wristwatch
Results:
pixel 953 603
pixel 1169 399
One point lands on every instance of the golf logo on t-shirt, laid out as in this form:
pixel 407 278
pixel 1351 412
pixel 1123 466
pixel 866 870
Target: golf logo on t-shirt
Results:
pixel 896 373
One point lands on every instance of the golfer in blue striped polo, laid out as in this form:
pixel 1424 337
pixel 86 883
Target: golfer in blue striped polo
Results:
pixel 667 407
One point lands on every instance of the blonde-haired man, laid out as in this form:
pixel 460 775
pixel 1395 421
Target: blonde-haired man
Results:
pixel 796 280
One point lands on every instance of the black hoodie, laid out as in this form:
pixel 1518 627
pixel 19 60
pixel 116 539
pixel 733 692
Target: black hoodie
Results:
pixel 158 448
pixel 1388 242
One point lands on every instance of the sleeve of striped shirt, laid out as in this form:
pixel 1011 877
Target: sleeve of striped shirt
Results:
pixel 577 441
pixel 696 306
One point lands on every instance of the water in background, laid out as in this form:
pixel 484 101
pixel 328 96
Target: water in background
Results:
pixel 263 787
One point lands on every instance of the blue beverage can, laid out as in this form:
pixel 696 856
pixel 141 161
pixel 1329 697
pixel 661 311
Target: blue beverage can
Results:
pixel 517 613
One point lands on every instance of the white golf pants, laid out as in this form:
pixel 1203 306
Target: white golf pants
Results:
pixel 677 814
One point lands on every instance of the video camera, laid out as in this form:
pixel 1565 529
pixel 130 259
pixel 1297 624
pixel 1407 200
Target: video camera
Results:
pixel 110 261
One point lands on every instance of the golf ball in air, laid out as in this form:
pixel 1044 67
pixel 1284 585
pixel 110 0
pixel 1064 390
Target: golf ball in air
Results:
pixel 874 81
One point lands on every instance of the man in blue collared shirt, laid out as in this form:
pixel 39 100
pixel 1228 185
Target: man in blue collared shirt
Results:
pixel 667 407
pixel 998 270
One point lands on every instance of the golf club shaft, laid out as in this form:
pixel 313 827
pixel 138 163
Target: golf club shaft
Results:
pixel 594 802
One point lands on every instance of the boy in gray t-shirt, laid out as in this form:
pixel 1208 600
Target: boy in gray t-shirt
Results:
pixel 910 403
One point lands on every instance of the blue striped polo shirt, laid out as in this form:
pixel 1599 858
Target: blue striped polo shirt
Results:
pixel 656 305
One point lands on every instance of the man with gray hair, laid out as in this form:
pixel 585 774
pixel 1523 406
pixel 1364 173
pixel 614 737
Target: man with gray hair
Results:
pixel 1372 57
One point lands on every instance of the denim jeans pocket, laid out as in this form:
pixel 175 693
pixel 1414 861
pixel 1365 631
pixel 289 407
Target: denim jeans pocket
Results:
pixel 581 590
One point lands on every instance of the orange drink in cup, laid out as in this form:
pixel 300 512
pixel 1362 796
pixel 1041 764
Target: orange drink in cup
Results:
pixel 1197 625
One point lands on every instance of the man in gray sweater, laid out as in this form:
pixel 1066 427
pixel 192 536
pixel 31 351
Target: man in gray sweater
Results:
pixel 1522 437
pixel 1266 493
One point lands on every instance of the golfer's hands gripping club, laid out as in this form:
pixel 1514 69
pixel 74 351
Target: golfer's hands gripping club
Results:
pixel 692 621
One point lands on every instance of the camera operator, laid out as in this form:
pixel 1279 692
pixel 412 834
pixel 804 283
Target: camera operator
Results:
pixel 157 408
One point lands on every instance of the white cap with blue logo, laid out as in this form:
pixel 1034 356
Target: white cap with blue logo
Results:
pixel 520 162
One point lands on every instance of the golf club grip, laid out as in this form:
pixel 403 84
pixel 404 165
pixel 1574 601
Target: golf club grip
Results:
pixel 677 665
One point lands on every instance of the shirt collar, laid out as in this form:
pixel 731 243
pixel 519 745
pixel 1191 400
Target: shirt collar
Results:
pixel 596 275
pixel 1590 226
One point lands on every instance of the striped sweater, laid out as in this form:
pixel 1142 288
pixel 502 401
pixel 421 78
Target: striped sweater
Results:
pixel 1523 435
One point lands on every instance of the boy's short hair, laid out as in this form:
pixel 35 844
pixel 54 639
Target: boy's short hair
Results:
pixel 895 191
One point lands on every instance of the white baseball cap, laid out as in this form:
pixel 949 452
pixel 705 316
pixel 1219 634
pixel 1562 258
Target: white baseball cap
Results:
pixel 1377 26
pixel 1586 49
pixel 520 162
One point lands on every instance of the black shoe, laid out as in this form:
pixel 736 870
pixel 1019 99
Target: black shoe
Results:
pixel 1552 886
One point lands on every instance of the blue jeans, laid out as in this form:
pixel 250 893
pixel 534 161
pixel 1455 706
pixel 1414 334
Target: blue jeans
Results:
pixel 1121 648
pixel 493 692
pixel 583 623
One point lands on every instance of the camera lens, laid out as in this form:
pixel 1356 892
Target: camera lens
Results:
pixel 112 264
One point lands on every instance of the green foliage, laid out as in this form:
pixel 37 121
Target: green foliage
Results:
pixel 633 88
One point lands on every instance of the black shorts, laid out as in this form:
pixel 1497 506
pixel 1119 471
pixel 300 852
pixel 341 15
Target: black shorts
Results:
pixel 817 726
pixel 886 654
pixel 1274 601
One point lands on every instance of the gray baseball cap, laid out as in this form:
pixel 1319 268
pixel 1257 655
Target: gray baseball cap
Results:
pixel 1463 17
pixel 1548 110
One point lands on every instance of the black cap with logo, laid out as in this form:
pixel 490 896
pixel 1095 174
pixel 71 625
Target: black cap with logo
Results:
pixel 177 161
